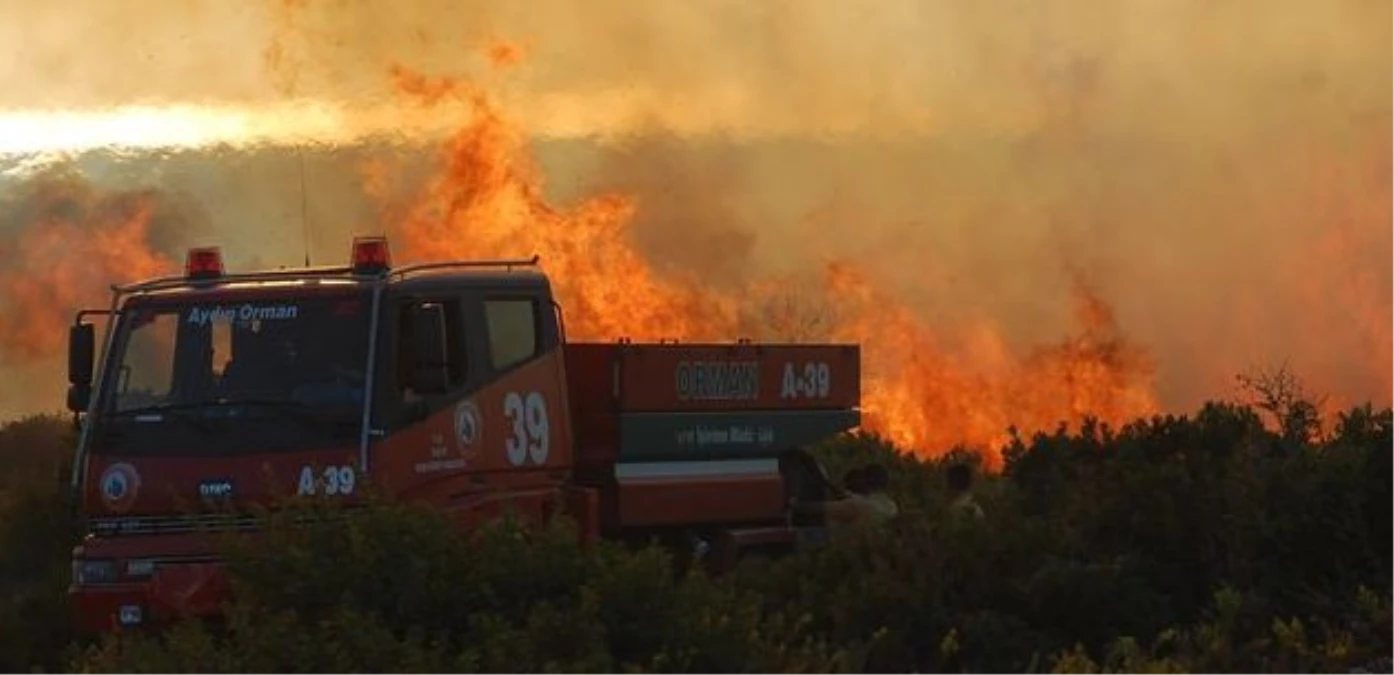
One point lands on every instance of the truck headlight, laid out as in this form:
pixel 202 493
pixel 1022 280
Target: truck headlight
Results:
pixel 140 567
pixel 97 571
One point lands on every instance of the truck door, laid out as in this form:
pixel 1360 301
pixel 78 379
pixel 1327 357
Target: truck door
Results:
pixel 518 329
pixel 497 430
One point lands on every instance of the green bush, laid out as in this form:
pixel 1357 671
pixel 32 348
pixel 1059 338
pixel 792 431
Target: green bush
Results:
pixel 1176 543
pixel 36 541
pixel 393 587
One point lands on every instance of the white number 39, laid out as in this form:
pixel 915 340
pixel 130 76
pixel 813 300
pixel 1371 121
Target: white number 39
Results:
pixel 528 414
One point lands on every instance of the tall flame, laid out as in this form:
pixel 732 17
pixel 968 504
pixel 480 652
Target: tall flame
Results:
pixel 485 201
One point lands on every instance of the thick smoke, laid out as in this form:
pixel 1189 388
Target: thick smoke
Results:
pixel 1217 173
pixel 73 54
pixel 780 66
pixel 64 242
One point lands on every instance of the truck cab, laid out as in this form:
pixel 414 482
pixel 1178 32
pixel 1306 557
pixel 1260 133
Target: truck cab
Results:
pixel 450 384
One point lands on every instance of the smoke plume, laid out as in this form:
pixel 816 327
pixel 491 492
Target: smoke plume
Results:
pixel 1215 175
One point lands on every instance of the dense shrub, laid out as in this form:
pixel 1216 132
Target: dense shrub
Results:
pixel 393 587
pixel 1205 542
pixel 36 540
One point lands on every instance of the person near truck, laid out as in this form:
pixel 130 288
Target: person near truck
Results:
pixel 864 501
pixel 959 477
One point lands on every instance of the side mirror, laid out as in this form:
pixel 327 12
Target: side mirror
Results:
pixel 82 342
pixel 79 397
pixel 429 358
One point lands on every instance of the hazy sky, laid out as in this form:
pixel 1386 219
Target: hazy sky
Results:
pixel 941 65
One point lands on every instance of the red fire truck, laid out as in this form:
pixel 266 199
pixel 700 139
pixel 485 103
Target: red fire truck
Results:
pixel 450 384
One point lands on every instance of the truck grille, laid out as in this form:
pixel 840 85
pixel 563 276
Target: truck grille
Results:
pixel 173 524
pixel 212 522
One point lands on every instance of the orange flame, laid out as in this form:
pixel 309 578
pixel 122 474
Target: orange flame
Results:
pixel 929 396
pixel 485 200
pixel 927 387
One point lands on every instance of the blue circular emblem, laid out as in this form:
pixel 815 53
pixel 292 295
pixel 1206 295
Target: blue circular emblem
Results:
pixel 120 484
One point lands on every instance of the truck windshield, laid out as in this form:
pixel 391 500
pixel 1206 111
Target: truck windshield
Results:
pixel 297 354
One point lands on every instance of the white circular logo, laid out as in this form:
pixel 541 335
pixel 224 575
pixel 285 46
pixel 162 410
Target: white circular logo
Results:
pixel 466 425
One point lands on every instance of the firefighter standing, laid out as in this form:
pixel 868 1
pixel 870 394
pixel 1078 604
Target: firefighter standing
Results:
pixel 962 503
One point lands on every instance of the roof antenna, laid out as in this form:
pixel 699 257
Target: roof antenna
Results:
pixel 304 220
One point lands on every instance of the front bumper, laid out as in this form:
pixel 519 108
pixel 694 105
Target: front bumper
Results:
pixel 174 592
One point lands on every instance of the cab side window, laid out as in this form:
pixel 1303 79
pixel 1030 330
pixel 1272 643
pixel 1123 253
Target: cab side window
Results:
pixel 431 355
pixel 513 331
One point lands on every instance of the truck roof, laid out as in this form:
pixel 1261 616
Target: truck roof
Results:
pixel 416 277
pixel 491 278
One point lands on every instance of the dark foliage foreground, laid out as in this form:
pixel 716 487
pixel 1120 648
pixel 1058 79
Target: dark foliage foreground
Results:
pixel 1176 544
